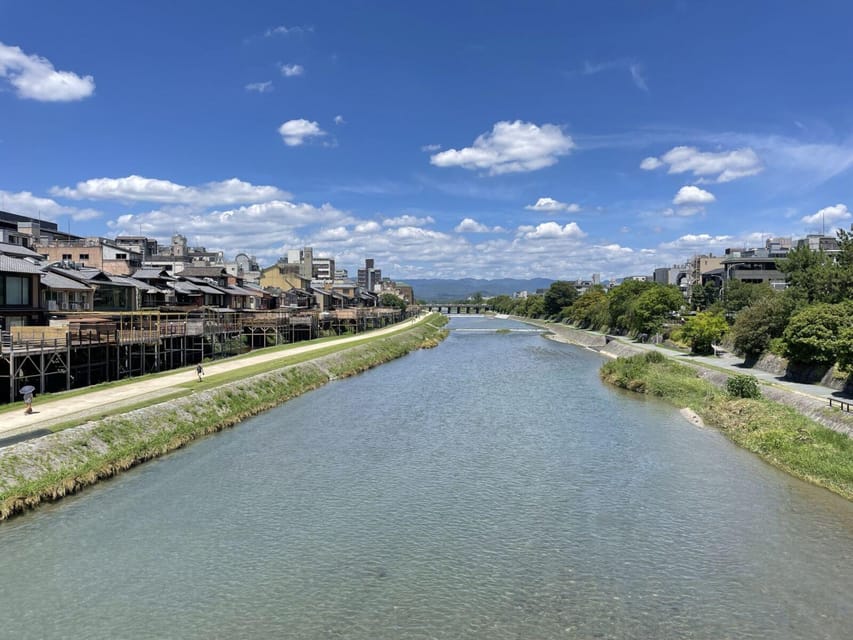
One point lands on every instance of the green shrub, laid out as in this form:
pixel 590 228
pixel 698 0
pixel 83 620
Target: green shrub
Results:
pixel 654 357
pixel 743 386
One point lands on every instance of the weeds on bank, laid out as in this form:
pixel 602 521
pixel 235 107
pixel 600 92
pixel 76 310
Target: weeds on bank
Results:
pixel 779 434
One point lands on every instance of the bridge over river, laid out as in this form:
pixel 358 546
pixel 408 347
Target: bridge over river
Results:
pixel 459 308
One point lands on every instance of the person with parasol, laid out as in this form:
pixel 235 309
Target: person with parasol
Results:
pixel 27 391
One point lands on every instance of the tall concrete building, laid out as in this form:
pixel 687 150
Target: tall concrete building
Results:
pixel 369 277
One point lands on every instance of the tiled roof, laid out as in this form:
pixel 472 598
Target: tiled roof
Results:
pixel 17 265
pixel 55 281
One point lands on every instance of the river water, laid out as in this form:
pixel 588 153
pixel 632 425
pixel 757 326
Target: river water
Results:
pixel 489 488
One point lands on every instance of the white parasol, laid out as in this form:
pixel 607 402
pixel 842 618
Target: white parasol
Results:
pixel 27 389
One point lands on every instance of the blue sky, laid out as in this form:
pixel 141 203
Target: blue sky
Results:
pixel 443 139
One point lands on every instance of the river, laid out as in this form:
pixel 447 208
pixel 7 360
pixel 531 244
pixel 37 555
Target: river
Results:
pixel 491 487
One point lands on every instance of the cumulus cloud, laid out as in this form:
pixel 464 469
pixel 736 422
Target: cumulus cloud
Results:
pixel 698 242
pixel 260 87
pixel 339 119
pixel 291 70
pixel 550 205
pixel 35 78
pixel 260 228
pixel 722 166
pixel 828 215
pixel 140 189
pixel 296 132
pixel 469 225
pixel 26 204
pixel 691 195
pixel 510 147
pixel 407 220
pixel 367 227
pixel 549 230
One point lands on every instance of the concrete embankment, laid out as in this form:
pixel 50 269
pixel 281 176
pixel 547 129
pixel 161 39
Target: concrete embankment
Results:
pixel 62 463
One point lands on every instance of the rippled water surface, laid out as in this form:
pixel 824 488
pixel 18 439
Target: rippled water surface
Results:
pixel 489 488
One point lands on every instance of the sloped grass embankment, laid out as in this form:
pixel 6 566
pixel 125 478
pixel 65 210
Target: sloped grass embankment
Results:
pixel 62 463
pixel 780 435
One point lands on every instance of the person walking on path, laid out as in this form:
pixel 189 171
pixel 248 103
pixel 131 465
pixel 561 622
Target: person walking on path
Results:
pixel 199 371
pixel 28 402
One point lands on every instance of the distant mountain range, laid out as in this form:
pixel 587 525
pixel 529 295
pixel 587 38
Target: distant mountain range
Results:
pixel 438 290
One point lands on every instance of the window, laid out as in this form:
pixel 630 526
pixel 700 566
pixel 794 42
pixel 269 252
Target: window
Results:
pixel 14 291
pixel 121 256
pixel 66 256
pixel 84 256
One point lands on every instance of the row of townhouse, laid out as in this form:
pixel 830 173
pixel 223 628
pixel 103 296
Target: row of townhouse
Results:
pixel 31 289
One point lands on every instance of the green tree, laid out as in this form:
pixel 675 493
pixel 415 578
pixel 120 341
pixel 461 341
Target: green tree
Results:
pixel 703 296
pixel 816 334
pixel 392 300
pixel 590 310
pixel 759 323
pixel 560 294
pixel 814 275
pixel 654 305
pixel 620 300
pixel 739 295
pixel 703 330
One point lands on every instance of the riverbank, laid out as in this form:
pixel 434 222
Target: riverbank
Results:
pixel 779 434
pixel 793 430
pixel 50 467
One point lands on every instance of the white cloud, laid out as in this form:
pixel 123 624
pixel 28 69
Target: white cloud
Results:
pixel 295 132
pixel 698 242
pixel 261 229
pixel 35 78
pixel 367 227
pixel 291 70
pixel 511 147
pixel 548 230
pixel 469 225
pixel 724 165
pixel 408 221
pixel 260 87
pixel 286 31
pixel 650 164
pixel 431 147
pixel 26 204
pixel 140 189
pixel 691 195
pixel 339 119
pixel 828 215
pixel 549 204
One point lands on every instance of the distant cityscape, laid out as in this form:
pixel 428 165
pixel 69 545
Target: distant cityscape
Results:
pixel 47 270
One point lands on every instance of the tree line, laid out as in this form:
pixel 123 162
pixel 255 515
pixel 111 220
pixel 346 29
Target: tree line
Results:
pixel 810 322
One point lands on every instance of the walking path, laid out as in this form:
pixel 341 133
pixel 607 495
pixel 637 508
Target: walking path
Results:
pixel 15 425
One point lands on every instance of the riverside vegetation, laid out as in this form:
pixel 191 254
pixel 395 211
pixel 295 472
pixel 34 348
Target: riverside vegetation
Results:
pixel 779 434
pixel 51 467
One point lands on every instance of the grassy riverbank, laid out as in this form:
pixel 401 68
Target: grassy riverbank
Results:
pixel 780 435
pixel 51 467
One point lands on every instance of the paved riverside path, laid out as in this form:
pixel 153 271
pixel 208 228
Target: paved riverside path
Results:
pixel 56 409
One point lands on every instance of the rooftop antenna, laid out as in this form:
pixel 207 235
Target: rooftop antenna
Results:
pixel 822 224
